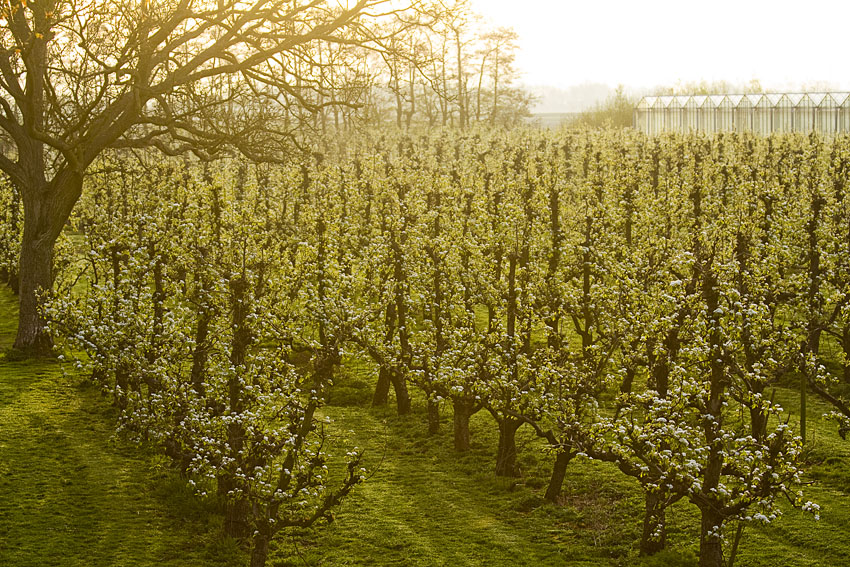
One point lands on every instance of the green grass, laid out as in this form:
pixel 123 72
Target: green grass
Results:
pixel 72 493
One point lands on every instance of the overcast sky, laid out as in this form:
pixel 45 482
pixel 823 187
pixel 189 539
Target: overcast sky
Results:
pixel 658 42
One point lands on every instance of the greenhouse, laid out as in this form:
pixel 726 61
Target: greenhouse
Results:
pixel 827 113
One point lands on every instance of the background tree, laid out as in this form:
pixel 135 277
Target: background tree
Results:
pixel 498 55
pixel 617 111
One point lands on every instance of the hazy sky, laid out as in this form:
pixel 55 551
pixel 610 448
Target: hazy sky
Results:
pixel 657 42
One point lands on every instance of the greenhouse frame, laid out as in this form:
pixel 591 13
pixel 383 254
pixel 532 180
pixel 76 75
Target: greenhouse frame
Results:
pixel 826 113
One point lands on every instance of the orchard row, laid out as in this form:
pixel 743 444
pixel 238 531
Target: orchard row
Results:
pixel 630 299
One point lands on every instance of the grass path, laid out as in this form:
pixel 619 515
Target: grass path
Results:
pixel 421 512
pixel 70 493
pixel 427 505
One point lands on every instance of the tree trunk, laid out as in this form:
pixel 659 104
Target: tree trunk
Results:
pixel 710 545
pixel 412 110
pixel 461 101
pixel 47 207
pixel 758 422
pixel 654 537
pixel 628 380
pixel 463 411
pixel 402 397
pixel 36 277
pixel 559 471
pixel 478 94
pixel 124 384
pixel 259 550
pixel 14 281
pixel 200 354
pixel 399 108
pixel 845 343
pixel 433 417
pixel 495 109
pixel 506 464
pixel 236 512
pixel 236 507
pixel 382 389
pixel 813 325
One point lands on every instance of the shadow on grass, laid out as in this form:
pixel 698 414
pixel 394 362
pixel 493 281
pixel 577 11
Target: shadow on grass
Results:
pixel 74 494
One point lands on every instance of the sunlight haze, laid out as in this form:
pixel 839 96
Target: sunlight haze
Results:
pixel 646 44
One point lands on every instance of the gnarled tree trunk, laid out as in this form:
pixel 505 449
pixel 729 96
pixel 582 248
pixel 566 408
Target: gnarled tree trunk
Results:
pixel 47 207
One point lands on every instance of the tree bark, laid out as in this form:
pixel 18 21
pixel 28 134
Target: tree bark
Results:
pixel 506 464
pixel 495 109
pixel 463 119
pixel 259 550
pixel 462 411
pixel 654 537
pixel 559 472
pixel 47 207
pixel 382 389
pixel 845 344
pixel 200 354
pixel 236 512
pixel 758 422
pixel 813 325
pixel 402 397
pixel 36 277
pixel 433 417
pixel 710 546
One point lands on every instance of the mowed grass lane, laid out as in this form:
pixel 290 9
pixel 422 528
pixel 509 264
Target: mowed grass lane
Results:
pixel 71 493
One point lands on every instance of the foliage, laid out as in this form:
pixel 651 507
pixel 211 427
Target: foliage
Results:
pixel 626 298
pixel 616 112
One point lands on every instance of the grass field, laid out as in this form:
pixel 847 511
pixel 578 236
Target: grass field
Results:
pixel 72 493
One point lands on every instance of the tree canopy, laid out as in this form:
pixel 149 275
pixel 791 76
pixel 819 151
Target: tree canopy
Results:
pixel 78 77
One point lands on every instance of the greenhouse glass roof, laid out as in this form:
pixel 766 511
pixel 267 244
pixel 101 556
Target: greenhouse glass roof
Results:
pixel 817 98
pixel 826 112
pixel 772 99
pixel 840 98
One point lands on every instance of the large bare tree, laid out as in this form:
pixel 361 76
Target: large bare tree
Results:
pixel 80 76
